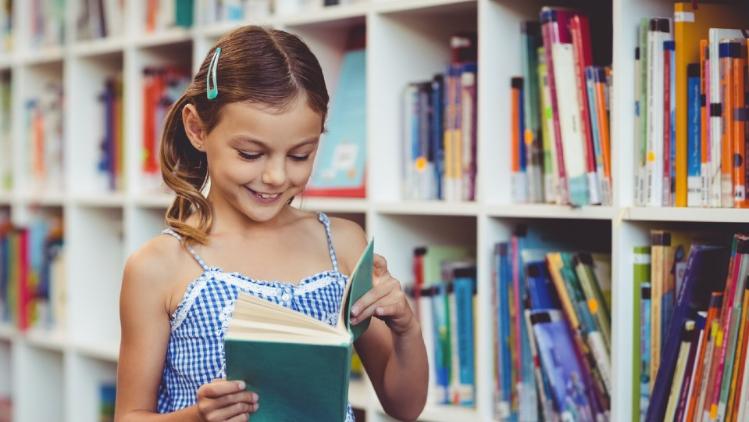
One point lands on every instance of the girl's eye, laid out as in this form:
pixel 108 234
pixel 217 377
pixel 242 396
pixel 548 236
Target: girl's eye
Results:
pixel 299 157
pixel 249 155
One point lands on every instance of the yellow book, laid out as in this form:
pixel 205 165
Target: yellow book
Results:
pixel 691 25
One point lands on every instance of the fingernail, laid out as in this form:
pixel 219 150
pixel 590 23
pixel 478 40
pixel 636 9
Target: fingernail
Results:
pixel 379 311
pixel 354 310
pixel 255 397
pixel 241 385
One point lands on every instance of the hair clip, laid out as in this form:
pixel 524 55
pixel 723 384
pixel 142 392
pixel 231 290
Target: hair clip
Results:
pixel 212 93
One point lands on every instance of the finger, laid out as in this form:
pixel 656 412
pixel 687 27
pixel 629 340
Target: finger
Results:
pixel 244 417
pixel 219 388
pixel 228 412
pixel 241 397
pixel 393 296
pixel 380 265
pixel 372 296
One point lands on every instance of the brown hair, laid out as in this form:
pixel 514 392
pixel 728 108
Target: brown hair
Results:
pixel 257 65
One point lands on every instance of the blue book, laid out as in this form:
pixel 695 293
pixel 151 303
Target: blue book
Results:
pixel 442 352
pixel 340 165
pixel 464 285
pixel 694 157
pixel 504 354
pixel 438 131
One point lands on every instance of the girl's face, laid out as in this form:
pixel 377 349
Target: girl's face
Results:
pixel 259 158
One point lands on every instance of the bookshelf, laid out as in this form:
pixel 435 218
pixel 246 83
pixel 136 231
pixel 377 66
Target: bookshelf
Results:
pixel 406 40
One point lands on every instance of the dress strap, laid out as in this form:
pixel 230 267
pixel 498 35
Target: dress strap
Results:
pixel 331 250
pixel 189 248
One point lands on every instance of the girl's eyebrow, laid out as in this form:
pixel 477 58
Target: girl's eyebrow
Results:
pixel 307 141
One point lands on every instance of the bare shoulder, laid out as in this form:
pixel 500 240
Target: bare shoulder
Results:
pixel 349 240
pixel 154 264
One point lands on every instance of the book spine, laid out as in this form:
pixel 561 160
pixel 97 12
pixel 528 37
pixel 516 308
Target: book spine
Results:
pixel 739 120
pixel 551 174
pixel 727 102
pixel 705 167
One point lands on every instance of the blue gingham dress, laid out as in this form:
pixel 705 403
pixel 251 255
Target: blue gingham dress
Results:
pixel 195 354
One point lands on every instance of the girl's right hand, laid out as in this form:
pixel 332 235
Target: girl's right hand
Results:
pixel 226 401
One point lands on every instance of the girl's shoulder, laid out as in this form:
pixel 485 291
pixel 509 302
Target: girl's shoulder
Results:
pixel 156 262
pixel 349 240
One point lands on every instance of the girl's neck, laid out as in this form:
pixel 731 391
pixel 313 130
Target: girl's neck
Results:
pixel 229 220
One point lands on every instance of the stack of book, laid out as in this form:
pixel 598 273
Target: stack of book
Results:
pixel 443 295
pixel 111 159
pixel 215 11
pixel 560 139
pixel 32 275
pixel 99 19
pixel 439 129
pixel 162 86
pixel 691 334
pixel 44 140
pixel 691 108
pixel 552 326
pixel 161 15
pixel 47 19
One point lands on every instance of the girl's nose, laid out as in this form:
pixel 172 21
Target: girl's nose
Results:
pixel 274 173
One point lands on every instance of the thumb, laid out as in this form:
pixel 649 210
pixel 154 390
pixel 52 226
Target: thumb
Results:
pixel 380 265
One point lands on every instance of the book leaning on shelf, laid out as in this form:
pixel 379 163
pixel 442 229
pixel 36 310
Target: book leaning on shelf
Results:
pixel 299 365
pixel 560 137
pixel 439 129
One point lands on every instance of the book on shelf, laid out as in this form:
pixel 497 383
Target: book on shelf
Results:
pixel 6 141
pixel 46 23
pixel 162 86
pixel 32 273
pixel 690 107
pixel 161 15
pixel 110 167
pixel 549 304
pixel 439 129
pixel 6 26
pixel 107 394
pixel 560 141
pixel 276 338
pixel 217 11
pixel 340 166
pixel 43 166
pixel 98 19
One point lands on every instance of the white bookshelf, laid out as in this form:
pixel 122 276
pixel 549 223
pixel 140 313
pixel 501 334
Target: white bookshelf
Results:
pixel 406 41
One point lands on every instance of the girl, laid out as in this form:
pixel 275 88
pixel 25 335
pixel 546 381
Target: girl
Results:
pixel 248 126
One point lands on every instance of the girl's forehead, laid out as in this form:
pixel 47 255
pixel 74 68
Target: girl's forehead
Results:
pixel 296 122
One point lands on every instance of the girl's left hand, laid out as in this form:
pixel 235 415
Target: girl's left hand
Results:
pixel 386 300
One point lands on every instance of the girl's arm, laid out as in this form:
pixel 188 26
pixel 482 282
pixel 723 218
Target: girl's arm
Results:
pixel 392 349
pixel 144 320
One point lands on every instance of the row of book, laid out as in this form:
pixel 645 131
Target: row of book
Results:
pixel 161 15
pixel 32 273
pixel 439 129
pixel 44 153
pixel 215 11
pixel 552 327
pixel 443 297
pixel 560 136
pixel 6 149
pixel 162 86
pixel 100 19
pixel 692 367
pixel 6 26
pixel 47 23
pixel 110 166
pixel 691 107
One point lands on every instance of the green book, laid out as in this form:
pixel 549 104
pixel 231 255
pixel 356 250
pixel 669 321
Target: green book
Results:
pixel 297 364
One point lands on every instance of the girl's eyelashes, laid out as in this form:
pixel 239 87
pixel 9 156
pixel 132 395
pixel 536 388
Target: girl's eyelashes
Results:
pixel 249 155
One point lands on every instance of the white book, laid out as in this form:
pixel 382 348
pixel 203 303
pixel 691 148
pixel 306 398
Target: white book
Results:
pixel 571 124
pixel 655 88
pixel 468 133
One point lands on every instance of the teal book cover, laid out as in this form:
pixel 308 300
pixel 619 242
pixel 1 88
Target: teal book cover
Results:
pixel 340 164
pixel 298 365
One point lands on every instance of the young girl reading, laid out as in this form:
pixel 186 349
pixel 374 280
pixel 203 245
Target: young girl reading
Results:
pixel 246 131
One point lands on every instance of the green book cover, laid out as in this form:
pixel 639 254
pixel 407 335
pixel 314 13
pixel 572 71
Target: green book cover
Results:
pixel 298 365
pixel 640 366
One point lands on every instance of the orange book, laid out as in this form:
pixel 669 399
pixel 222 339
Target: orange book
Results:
pixel 690 25
pixel 738 115
pixel 700 375
pixel 727 93
pixel 517 84
pixel 603 123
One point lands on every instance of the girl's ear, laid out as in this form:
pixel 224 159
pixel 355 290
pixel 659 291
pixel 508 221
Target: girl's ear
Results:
pixel 194 127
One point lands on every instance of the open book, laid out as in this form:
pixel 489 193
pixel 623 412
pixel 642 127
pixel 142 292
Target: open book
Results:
pixel 298 365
